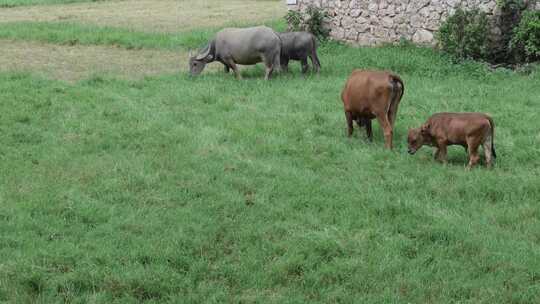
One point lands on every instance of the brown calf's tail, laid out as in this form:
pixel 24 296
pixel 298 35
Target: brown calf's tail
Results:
pixel 492 136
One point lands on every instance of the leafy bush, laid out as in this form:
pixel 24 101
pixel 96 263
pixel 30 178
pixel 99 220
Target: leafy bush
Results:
pixel 526 39
pixel 511 5
pixel 315 22
pixel 464 35
pixel 295 20
pixel 312 21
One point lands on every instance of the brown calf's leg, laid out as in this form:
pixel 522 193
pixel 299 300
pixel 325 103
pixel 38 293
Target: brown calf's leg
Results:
pixel 488 151
pixel 387 130
pixel 348 116
pixel 441 153
pixel 473 153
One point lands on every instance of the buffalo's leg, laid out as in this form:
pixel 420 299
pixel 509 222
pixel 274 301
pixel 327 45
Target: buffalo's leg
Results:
pixel 315 62
pixel 236 70
pixel 285 64
pixel 473 153
pixel 305 66
pixel 387 130
pixel 269 66
pixel 226 68
pixel 230 64
pixel 348 116
pixel 268 74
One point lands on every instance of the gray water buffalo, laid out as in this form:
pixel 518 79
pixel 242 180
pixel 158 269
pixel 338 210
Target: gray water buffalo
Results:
pixel 246 46
pixel 299 46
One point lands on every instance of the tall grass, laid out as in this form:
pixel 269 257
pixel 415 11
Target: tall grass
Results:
pixel 208 189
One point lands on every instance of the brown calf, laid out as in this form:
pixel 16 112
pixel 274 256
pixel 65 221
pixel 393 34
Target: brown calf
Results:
pixel 469 130
pixel 372 94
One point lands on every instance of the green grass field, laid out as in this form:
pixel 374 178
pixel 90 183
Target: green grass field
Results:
pixel 175 189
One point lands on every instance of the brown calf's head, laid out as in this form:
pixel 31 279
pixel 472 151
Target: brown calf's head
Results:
pixel 417 137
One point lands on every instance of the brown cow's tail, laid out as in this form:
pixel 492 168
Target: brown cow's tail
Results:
pixel 492 136
pixel 398 89
pixel 395 81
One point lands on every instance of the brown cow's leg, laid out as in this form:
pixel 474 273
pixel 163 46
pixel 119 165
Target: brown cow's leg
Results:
pixel 387 130
pixel 392 113
pixel 348 116
pixel 369 131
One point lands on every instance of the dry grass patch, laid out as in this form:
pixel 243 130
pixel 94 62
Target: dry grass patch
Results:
pixel 72 63
pixel 153 15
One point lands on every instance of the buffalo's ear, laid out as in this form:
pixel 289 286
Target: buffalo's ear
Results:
pixel 425 128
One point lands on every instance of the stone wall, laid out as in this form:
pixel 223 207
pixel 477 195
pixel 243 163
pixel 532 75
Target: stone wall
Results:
pixel 373 22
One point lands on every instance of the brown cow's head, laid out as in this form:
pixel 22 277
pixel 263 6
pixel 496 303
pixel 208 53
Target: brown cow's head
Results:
pixel 417 137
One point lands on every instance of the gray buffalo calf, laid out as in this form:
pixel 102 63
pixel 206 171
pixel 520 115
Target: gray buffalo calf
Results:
pixel 299 46
pixel 246 46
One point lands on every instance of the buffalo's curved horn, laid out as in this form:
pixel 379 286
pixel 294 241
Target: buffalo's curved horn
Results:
pixel 205 52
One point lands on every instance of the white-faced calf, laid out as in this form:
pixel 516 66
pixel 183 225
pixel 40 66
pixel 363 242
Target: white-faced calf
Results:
pixel 469 130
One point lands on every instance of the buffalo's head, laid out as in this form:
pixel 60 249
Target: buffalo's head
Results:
pixel 199 61
pixel 417 137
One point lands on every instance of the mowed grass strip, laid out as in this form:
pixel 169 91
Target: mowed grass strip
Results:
pixel 79 34
pixel 152 15
pixel 13 3
pixel 209 189
pixel 75 62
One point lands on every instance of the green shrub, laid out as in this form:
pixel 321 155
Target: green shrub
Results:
pixel 315 22
pixel 526 39
pixel 464 35
pixel 295 20
pixel 312 21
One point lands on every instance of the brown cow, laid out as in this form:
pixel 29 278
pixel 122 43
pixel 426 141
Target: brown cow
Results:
pixel 469 130
pixel 372 94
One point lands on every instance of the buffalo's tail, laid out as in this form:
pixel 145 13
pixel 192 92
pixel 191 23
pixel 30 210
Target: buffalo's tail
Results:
pixel 313 55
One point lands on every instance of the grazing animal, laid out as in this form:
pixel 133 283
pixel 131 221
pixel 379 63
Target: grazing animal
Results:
pixel 469 130
pixel 247 46
pixel 372 94
pixel 299 46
